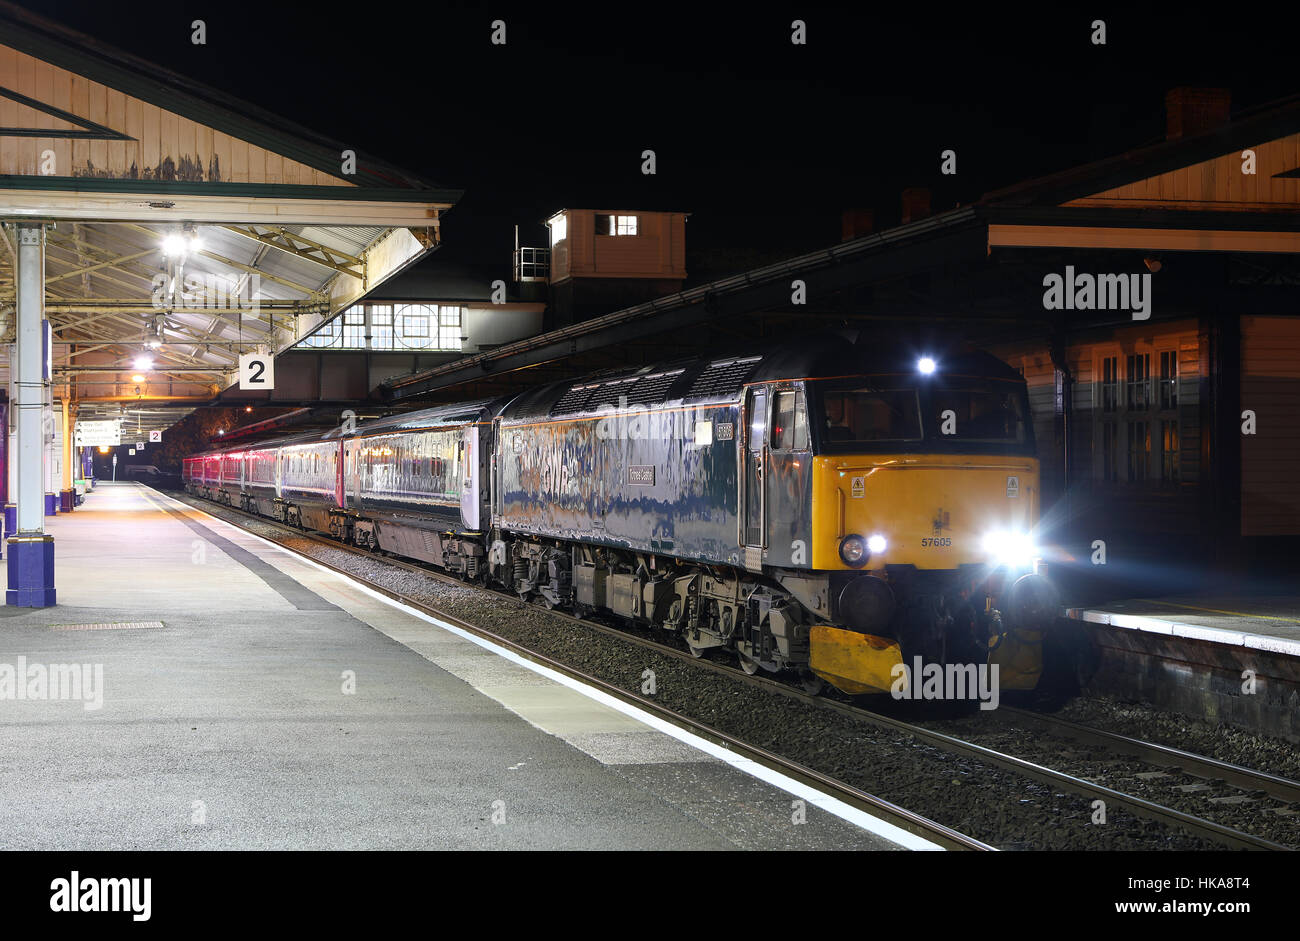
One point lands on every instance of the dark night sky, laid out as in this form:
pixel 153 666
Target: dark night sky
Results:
pixel 765 142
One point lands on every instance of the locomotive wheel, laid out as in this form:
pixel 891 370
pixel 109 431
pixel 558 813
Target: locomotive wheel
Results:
pixel 696 652
pixel 748 665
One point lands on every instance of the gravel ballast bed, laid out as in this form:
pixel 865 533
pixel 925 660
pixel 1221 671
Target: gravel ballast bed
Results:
pixel 1212 800
pixel 970 796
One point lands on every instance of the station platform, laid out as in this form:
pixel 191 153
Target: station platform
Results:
pixel 1270 623
pixel 214 714
pixel 1221 658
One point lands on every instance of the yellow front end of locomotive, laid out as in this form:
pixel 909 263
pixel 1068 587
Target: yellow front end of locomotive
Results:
pixel 933 511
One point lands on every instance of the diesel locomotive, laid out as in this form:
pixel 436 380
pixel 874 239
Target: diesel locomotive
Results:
pixel 831 508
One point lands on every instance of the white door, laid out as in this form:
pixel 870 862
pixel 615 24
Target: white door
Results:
pixel 469 476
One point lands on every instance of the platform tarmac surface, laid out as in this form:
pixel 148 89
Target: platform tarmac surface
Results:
pixel 228 727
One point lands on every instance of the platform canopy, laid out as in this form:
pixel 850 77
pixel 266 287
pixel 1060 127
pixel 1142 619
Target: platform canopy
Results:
pixel 183 226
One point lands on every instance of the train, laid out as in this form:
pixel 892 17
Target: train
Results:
pixel 829 509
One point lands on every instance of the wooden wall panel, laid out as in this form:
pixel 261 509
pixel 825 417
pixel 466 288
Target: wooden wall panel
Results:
pixel 162 145
pixel 1217 183
pixel 1270 458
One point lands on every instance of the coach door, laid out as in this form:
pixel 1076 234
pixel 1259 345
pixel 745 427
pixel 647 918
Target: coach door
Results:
pixel 467 460
pixel 754 518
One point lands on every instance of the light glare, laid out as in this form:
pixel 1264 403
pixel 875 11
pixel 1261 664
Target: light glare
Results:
pixel 1009 547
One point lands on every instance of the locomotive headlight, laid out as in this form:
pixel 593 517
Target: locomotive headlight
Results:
pixel 853 550
pixel 877 544
pixel 1009 547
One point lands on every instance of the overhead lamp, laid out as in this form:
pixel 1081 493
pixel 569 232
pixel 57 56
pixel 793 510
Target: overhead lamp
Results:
pixel 138 377
pixel 925 365
pixel 179 244
pixel 143 363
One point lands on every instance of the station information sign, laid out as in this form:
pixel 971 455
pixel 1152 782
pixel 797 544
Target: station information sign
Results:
pixel 96 434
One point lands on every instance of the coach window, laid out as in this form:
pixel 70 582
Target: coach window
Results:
pixel 789 422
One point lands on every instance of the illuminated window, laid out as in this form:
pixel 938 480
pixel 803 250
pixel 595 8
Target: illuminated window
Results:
pixel 449 328
pixel 354 328
pixel 1169 379
pixel 616 225
pixel 381 327
pixel 327 336
pixel 415 323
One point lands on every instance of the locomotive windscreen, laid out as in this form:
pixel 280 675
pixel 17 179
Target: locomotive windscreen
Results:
pixel 956 412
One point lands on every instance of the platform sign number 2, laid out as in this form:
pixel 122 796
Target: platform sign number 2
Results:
pixel 257 371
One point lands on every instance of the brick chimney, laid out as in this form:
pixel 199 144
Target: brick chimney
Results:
pixel 916 203
pixel 1192 111
pixel 855 223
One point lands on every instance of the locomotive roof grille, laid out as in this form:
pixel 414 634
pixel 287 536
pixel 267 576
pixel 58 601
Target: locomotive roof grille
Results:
pixel 629 390
pixel 723 377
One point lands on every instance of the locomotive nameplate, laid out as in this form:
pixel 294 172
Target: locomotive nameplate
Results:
pixel 641 475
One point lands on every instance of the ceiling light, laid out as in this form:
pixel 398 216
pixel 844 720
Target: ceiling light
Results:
pixel 174 244
pixel 925 365
pixel 143 363
pixel 137 378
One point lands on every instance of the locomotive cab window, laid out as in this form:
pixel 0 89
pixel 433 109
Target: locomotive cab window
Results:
pixel 980 414
pixel 865 415
pixel 789 422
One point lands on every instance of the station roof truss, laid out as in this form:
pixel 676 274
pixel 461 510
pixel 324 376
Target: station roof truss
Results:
pixel 276 229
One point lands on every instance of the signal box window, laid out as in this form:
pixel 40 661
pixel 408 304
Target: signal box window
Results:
pixel 616 225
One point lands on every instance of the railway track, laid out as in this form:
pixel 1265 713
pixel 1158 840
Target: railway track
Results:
pixel 1151 753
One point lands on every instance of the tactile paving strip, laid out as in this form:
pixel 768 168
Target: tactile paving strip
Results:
pixel 114 626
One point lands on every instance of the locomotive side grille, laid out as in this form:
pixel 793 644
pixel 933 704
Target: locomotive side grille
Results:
pixel 723 378
pixel 574 399
pixel 650 390
pixel 608 394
